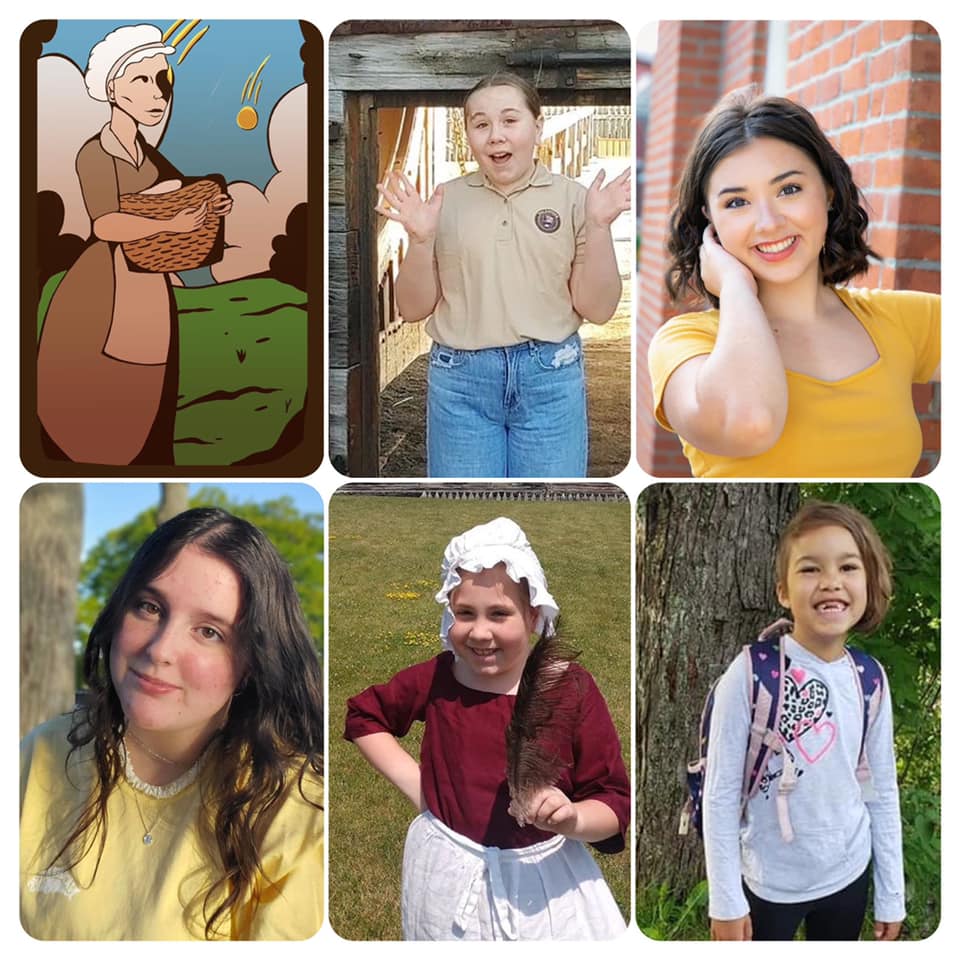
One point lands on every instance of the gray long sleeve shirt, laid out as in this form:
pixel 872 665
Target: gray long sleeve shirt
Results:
pixel 836 829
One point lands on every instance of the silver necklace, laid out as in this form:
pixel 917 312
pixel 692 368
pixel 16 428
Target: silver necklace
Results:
pixel 152 753
pixel 147 831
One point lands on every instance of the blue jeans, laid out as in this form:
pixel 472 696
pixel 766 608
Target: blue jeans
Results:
pixel 517 411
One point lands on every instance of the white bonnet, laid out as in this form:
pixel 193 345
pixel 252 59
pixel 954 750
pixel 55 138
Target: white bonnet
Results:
pixel 483 547
pixel 117 50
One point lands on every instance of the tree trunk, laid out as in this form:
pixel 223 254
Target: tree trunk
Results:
pixel 173 500
pixel 51 536
pixel 705 587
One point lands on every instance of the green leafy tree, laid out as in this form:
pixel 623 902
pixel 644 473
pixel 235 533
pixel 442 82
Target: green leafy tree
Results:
pixel 907 517
pixel 297 536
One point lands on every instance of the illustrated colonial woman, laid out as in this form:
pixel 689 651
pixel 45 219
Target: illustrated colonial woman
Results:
pixel 105 390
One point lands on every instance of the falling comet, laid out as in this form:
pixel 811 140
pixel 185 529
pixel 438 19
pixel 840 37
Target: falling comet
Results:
pixel 247 118
pixel 190 45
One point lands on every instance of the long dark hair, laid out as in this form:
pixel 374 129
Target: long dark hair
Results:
pixel 274 726
pixel 738 119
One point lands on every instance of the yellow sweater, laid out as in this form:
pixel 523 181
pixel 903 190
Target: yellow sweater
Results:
pixel 861 426
pixel 149 892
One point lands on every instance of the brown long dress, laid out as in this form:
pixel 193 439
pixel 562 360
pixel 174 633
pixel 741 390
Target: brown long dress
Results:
pixel 106 338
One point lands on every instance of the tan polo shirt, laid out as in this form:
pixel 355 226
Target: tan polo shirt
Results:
pixel 504 261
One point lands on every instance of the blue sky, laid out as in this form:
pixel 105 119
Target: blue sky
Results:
pixel 203 136
pixel 108 505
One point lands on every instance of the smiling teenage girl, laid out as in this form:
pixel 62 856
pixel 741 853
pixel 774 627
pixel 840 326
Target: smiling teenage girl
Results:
pixel 475 867
pixel 507 263
pixel 779 861
pixel 184 800
pixel 791 374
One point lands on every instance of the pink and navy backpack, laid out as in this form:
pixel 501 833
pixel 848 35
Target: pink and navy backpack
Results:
pixel 768 665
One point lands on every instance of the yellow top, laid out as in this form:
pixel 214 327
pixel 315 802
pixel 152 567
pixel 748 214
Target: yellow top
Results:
pixel 149 892
pixel 504 261
pixel 861 426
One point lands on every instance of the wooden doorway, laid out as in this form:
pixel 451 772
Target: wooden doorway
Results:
pixel 402 66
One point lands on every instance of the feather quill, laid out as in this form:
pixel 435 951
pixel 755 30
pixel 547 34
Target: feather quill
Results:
pixel 543 706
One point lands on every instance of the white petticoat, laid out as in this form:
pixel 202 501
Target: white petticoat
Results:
pixel 455 889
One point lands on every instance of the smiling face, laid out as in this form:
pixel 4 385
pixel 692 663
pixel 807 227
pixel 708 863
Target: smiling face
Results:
pixel 490 635
pixel 174 660
pixel 502 133
pixel 142 90
pixel 769 206
pixel 825 588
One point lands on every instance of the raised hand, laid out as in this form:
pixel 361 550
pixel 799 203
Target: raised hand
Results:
pixel 605 203
pixel 718 267
pixel 400 202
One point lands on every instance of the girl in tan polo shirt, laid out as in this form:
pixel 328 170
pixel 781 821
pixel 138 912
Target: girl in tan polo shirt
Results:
pixel 506 263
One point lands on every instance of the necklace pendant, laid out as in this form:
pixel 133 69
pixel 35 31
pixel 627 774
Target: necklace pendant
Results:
pixel 147 839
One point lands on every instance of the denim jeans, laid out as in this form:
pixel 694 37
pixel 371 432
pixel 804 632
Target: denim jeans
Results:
pixel 518 411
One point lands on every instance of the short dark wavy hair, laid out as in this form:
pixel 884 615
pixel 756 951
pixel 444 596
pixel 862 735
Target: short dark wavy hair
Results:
pixel 738 119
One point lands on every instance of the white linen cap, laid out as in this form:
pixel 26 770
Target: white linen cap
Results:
pixel 483 547
pixel 117 50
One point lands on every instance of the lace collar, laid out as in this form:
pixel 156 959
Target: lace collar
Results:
pixel 168 789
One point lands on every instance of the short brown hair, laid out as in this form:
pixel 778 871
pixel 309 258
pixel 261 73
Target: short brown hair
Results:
pixel 877 564
pixel 503 78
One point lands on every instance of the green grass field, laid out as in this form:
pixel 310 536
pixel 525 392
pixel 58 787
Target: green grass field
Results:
pixel 384 564
pixel 243 366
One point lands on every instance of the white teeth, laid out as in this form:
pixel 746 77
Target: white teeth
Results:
pixel 776 247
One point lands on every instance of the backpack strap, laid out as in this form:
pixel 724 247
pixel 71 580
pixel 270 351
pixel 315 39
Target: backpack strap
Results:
pixel 870 686
pixel 766 663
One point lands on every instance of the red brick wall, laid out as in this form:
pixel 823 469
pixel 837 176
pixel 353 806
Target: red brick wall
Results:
pixel 686 83
pixel 874 87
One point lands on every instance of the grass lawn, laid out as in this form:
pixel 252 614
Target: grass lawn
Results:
pixel 384 564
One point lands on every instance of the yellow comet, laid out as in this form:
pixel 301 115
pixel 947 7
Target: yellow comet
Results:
pixel 173 26
pixel 184 32
pixel 247 118
pixel 191 45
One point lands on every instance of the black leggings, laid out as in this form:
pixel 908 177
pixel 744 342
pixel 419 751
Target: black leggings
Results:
pixel 837 917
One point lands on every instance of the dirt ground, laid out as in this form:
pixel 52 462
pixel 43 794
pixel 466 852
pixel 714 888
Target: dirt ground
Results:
pixel 606 352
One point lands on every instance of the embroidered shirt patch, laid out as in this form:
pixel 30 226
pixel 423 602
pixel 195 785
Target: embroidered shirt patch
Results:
pixel 547 220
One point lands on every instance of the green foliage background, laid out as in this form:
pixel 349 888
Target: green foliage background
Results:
pixel 298 537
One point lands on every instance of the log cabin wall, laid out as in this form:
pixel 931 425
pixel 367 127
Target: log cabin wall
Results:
pixel 377 65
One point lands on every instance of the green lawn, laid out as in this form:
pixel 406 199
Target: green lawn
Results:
pixel 243 366
pixel 384 562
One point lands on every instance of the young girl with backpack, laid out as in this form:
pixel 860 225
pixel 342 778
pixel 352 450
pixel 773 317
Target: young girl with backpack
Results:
pixel 507 262
pixel 520 764
pixel 794 842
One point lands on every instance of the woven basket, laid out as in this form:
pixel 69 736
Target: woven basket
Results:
pixel 168 252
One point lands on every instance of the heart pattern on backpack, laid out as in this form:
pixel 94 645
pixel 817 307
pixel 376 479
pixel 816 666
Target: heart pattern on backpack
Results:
pixel 803 705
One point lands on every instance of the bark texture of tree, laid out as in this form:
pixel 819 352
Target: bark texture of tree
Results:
pixel 705 587
pixel 173 500
pixel 51 536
